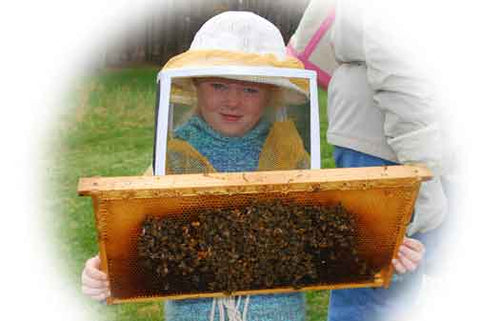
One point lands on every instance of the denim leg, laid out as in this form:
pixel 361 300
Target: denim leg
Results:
pixel 345 157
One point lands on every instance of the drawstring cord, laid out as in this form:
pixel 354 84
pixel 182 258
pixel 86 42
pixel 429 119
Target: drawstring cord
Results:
pixel 245 308
pixel 232 307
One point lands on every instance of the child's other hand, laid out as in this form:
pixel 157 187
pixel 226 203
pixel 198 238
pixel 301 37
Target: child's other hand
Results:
pixel 94 281
pixel 409 256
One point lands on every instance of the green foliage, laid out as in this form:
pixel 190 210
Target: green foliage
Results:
pixel 107 129
pixel 326 149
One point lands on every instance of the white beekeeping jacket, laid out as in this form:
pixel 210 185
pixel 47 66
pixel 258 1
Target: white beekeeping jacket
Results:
pixel 380 101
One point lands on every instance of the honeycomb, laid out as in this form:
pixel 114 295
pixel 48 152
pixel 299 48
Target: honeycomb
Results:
pixel 379 199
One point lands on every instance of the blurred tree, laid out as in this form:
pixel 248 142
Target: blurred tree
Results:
pixel 156 35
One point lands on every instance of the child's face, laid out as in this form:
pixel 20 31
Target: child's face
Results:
pixel 231 107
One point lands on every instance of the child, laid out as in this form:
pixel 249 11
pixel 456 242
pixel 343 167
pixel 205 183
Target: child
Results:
pixel 231 131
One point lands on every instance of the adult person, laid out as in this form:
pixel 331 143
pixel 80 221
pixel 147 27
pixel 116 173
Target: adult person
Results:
pixel 381 111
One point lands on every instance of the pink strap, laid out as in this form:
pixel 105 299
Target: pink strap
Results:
pixel 323 77
pixel 322 30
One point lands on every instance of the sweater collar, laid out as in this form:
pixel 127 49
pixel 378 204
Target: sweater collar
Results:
pixel 199 124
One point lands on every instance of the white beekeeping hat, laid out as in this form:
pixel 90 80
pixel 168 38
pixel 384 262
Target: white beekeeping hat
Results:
pixel 239 39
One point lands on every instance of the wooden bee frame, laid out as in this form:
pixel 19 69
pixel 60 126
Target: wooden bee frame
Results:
pixel 381 198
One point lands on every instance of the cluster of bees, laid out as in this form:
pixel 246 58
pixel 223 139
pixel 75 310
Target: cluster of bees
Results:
pixel 259 246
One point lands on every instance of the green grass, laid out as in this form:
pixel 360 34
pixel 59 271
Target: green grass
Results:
pixel 107 129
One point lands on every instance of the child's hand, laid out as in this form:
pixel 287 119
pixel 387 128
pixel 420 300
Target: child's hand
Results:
pixel 94 281
pixel 410 255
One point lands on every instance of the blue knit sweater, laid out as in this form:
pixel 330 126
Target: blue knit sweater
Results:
pixel 233 154
pixel 226 154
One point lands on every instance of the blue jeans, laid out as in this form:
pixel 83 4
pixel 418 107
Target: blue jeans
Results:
pixel 373 304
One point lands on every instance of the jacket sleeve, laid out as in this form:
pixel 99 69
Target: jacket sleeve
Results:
pixel 404 92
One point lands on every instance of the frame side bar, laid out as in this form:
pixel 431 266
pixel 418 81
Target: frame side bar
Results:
pixel 315 141
pixel 162 128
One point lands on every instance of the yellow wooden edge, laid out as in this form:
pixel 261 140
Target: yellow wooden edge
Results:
pixel 377 282
pixel 215 183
